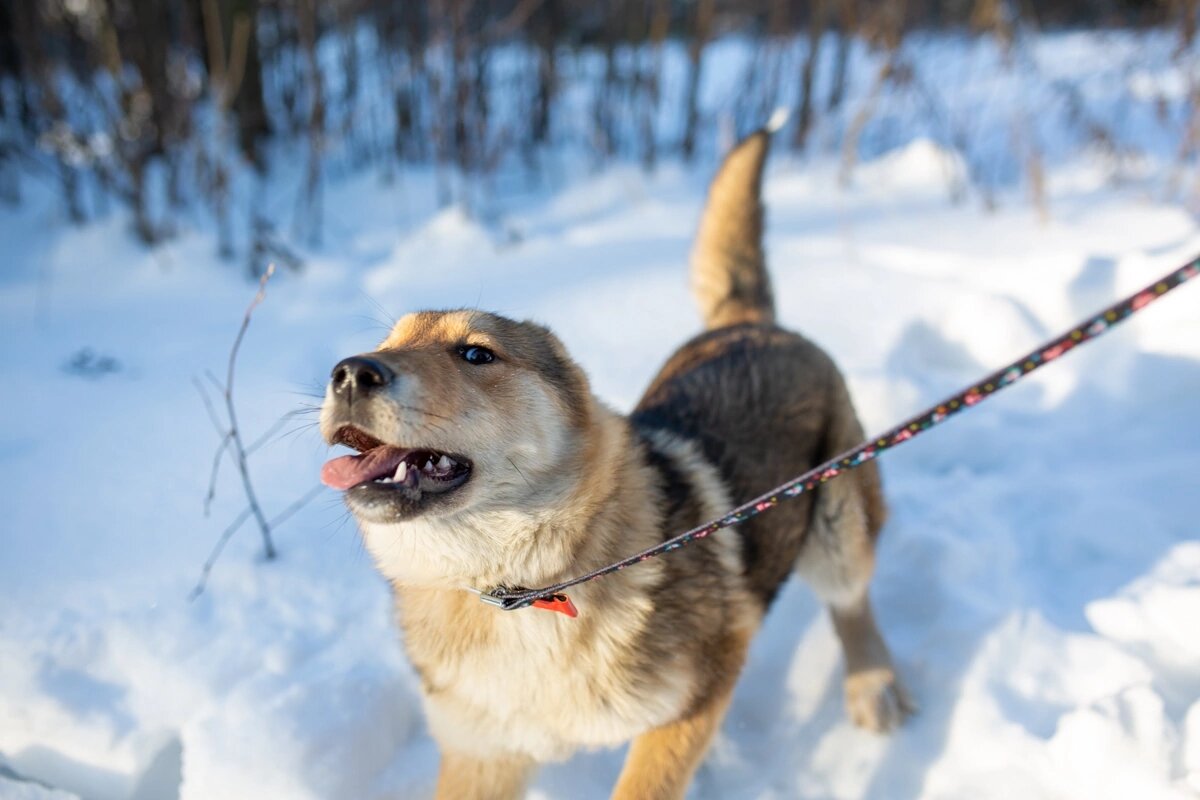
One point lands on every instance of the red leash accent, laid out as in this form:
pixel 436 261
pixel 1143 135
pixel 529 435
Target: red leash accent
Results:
pixel 557 602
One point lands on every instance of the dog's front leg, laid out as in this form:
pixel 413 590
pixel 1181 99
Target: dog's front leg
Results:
pixel 463 777
pixel 661 761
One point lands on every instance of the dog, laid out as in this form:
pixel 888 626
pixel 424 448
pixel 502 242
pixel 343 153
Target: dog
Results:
pixel 484 460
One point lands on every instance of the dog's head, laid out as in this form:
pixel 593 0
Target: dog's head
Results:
pixel 464 422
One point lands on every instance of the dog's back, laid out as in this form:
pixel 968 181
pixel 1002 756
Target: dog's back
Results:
pixel 763 403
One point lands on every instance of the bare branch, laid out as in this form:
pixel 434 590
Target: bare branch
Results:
pixel 237 523
pixel 239 448
pixel 216 469
pixel 210 408
pixel 215 381
pixel 226 438
pixel 226 535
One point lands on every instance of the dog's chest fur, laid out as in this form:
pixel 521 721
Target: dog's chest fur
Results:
pixel 641 650
pixel 534 681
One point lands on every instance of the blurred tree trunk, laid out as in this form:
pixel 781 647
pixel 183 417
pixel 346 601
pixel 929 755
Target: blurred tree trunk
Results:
pixel 347 20
pixel 144 36
pixel 804 104
pixel 253 124
pixel 605 97
pixel 848 25
pixel 885 28
pixel 479 109
pixel 306 27
pixel 142 32
pixel 547 26
pixel 650 78
pixel 460 90
pixel 1183 12
pixel 993 16
pixel 47 114
pixel 701 32
pixel 13 113
pixel 12 64
pixel 405 31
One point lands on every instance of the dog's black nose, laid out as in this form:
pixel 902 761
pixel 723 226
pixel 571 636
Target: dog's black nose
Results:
pixel 359 375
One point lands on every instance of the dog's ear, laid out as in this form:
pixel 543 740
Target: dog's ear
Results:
pixel 550 359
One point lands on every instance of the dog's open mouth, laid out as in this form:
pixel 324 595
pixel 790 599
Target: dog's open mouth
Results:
pixel 414 472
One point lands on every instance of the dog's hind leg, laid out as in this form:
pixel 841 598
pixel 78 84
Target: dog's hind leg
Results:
pixel 875 698
pixel 837 560
pixel 463 777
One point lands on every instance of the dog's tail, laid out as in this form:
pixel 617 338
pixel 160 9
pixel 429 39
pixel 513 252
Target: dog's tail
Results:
pixel 729 273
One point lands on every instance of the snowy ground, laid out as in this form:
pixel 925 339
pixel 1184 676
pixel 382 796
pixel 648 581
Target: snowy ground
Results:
pixel 1039 579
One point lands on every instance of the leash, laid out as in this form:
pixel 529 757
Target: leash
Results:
pixel 552 597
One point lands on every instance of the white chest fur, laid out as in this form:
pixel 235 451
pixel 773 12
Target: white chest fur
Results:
pixel 537 682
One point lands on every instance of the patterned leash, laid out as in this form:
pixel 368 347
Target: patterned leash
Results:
pixel 552 597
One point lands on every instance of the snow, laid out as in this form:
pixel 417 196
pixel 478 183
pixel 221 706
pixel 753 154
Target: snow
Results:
pixel 1039 579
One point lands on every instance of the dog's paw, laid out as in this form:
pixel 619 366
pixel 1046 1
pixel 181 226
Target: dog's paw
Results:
pixel 876 701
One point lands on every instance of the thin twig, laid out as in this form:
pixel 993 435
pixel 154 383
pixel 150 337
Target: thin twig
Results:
pixel 210 408
pixel 215 381
pixel 239 448
pixel 226 535
pixel 231 442
pixel 226 439
pixel 216 470
pixel 237 523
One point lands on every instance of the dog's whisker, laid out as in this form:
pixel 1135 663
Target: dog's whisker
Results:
pixel 266 436
pixel 376 323
pixel 426 412
pixel 435 427
pixel 518 469
pixel 380 308
pixel 290 433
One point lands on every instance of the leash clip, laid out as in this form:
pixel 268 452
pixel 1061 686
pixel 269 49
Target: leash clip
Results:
pixel 491 599
pixel 556 602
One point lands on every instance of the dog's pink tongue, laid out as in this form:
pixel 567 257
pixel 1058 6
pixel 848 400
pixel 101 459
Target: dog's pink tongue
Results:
pixel 346 472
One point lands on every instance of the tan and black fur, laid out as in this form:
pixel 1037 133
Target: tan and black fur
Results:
pixel 559 484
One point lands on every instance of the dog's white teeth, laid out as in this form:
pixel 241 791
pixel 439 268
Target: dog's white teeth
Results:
pixel 401 472
pixel 444 464
pixel 428 465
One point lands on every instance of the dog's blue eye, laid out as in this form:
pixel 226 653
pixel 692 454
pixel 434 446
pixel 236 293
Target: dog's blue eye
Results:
pixel 476 355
